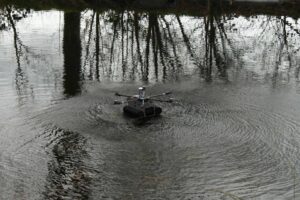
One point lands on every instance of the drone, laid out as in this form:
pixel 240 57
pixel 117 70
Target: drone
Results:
pixel 140 106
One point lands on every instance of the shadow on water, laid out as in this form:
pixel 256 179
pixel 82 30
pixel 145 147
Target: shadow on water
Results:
pixel 67 176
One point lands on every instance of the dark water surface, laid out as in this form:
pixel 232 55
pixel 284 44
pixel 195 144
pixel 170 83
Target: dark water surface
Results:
pixel 233 132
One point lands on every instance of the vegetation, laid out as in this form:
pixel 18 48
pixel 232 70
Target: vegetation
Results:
pixel 181 7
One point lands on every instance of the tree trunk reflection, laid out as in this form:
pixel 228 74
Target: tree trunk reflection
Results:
pixel 72 54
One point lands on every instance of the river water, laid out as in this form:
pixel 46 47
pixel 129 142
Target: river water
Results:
pixel 233 131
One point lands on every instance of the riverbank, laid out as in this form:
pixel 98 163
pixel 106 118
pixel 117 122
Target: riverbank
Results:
pixel 180 7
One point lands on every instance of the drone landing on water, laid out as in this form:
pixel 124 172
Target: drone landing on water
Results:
pixel 140 106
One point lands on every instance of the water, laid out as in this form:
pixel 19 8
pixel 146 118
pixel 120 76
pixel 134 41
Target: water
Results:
pixel 232 133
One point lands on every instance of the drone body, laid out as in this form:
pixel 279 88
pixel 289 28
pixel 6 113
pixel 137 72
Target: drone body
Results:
pixel 139 106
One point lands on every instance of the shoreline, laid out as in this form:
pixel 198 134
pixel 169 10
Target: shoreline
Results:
pixel 180 7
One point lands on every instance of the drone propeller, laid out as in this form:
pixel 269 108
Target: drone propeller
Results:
pixel 171 100
pixel 116 102
pixel 158 95
pixel 151 98
pixel 121 95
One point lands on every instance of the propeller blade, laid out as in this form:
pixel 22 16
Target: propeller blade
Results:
pixel 116 102
pixel 163 94
pixel 171 100
pixel 121 95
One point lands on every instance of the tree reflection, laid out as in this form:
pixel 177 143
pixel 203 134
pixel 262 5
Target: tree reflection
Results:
pixel 135 42
pixel 9 18
pixel 72 53
pixel 154 46
pixel 281 49
pixel 97 41
pixel 128 45
pixel 297 73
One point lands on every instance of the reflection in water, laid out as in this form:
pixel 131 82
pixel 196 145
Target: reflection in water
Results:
pixel 72 53
pixel 10 18
pixel 154 47
pixel 217 47
pixel 97 41
pixel 219 141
